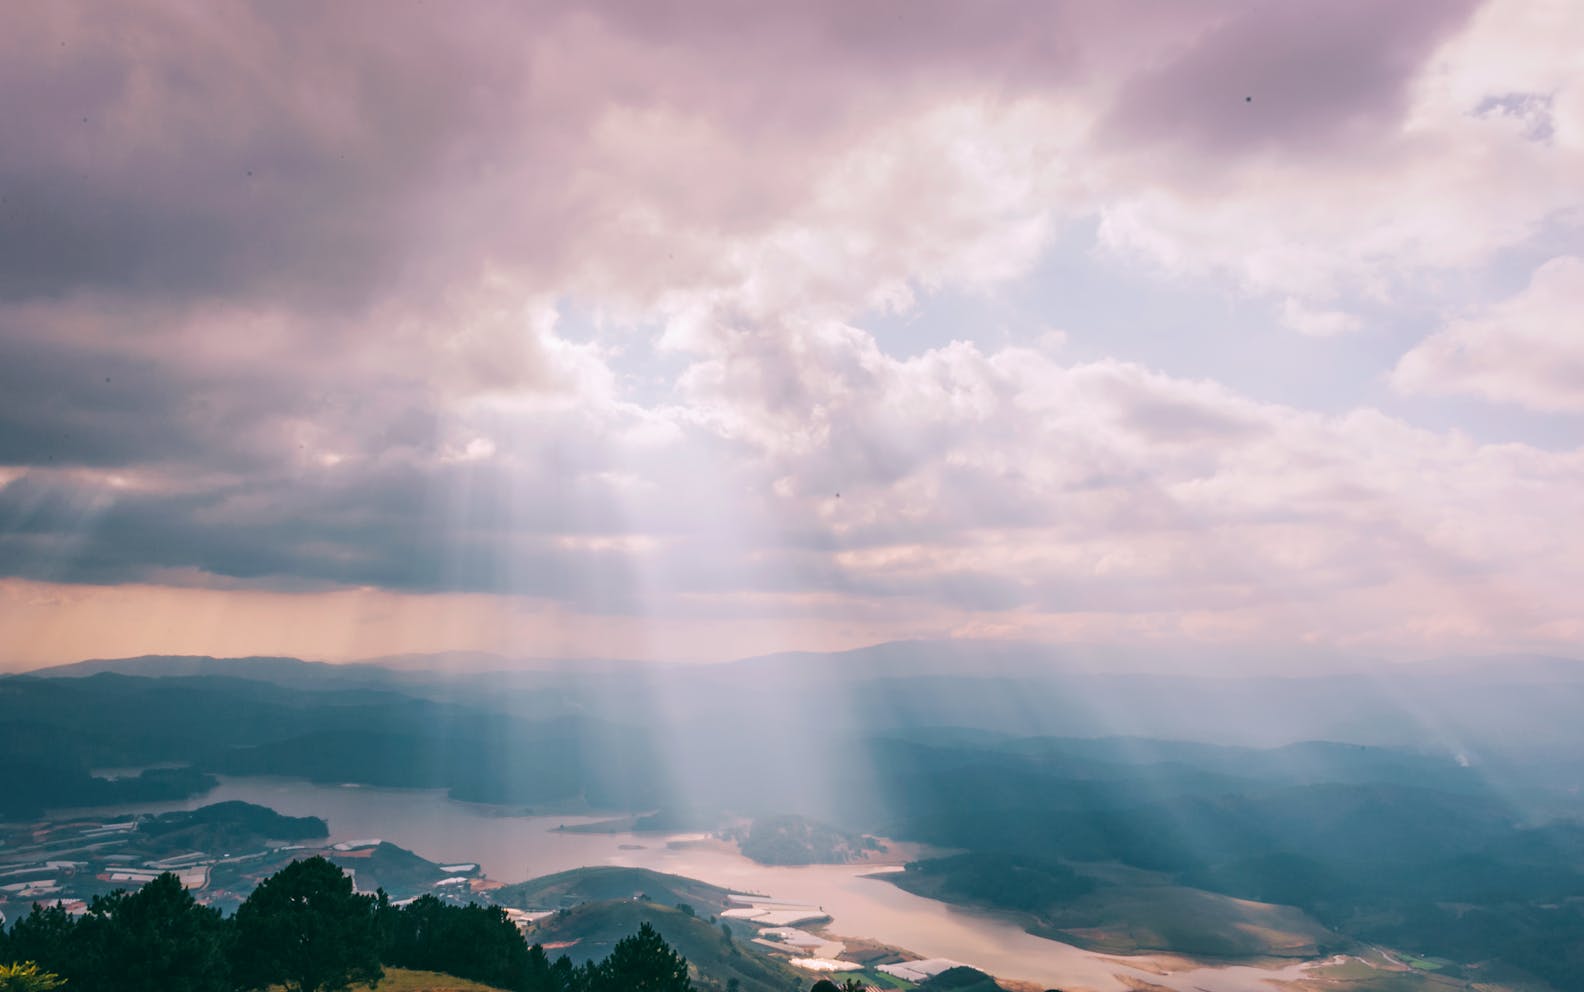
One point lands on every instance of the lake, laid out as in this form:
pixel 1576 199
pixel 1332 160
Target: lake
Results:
pixel 513 848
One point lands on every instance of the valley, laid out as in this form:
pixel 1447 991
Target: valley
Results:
pixel 1064 861
pixel 529 863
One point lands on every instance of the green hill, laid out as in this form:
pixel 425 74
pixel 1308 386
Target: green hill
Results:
pixel 1116 909
pixel 400 872
pixel 581 885
pixel 590 932
pixel 795 840
pixel 227 826
pixel 960 979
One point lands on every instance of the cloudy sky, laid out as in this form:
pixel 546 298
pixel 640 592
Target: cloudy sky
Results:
pixel 693 330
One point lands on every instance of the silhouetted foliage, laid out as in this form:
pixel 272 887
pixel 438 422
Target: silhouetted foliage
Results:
pixel 960 979
pixel 305 928
pixel 157 939
pixel 539 975
pixel 152 940
pixel 643 962
pixel 45 936
pixel 470 941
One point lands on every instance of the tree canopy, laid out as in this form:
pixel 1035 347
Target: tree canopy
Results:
pixel 643 962
pixel 472 941
pixel 307 929
pixel 157 939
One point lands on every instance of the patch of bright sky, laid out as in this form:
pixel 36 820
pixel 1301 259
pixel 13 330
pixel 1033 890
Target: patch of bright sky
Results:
pixel 1104 306
pixel 1507 275
pixel 647 373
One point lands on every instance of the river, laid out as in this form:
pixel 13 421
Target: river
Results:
pixel 514 848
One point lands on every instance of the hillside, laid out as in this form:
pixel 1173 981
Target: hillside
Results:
pixel 227 826
pixel 605 883
pixel 1154 915
pixel 716 955
pixel 260 668
pixel 1454 852
pixel 795 840
pixel 961 979
pixel 1119 910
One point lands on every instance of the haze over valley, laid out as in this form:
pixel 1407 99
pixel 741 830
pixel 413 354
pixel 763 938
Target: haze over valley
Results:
pixel 1274 821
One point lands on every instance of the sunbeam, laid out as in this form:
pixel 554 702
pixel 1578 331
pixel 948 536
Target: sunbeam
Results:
pixel 711 497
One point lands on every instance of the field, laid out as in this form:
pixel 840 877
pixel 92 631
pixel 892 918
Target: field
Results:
pixel 879 979
pixel 1375 970
pixel 1142 919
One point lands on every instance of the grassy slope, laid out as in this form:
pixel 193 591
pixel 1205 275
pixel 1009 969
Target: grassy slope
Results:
pixel 1134 911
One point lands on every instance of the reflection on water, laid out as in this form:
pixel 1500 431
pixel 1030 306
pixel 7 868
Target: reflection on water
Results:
pixel 514 848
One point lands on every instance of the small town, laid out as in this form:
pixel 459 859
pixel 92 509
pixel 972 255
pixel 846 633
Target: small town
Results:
pixel 219 853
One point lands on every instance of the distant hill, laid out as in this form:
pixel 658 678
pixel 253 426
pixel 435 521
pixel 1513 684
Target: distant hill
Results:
pixel 960 979
pixel 604 883
pixel 795 840
pixel 467 664
pixel 292 672
pixel 1118 910
pixel 383 669
pixel 398 871
pixel 166 665
pixel 715 955
pixel 1479 707
pixel 228 826
pixel 1446 817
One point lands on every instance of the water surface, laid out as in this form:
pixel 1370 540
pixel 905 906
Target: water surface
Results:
pixel 513 848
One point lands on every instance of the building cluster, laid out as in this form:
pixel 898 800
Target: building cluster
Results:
pixel 68 862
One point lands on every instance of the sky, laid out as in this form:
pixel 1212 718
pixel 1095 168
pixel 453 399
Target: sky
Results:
pixel 689 331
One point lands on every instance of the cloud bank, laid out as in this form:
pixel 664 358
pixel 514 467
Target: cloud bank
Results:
pixel 578 325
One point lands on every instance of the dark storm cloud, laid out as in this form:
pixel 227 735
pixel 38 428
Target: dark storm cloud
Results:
pixel 390 528
pixel 279 286
pixel 76 403
pixel 1287 77
pixel 324 153
pixel 225 148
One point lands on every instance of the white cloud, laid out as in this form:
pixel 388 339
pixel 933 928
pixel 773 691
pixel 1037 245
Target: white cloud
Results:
pixel 1527 350
pixel 416 338
pixel 1442 187
pixel 1006 484
pixel 1317 323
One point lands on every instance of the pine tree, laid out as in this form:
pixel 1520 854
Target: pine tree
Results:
pixel 157 939
pixel 643 962
pixel 305 928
